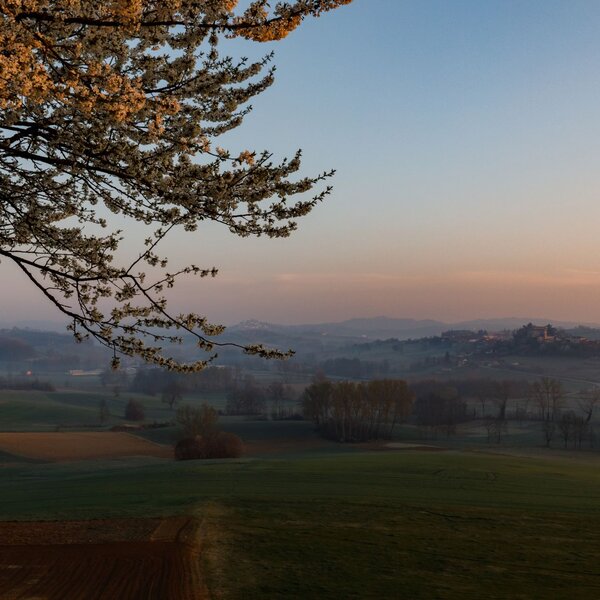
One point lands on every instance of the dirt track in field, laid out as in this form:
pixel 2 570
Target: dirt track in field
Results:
pixel 134 559
pixel 68 446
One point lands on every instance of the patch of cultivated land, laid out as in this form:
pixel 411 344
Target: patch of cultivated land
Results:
pixel 73 446
pixel 153 559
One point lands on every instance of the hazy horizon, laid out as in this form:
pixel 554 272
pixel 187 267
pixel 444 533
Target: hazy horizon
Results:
pixel 56 325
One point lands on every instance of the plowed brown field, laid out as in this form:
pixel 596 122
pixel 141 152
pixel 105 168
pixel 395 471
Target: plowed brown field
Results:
pixel 66 446
pixel 145 559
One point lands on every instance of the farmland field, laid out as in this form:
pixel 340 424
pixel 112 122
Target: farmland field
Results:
pixel 152 559
pixel 298 517
pixel 71 446
pixel 353 524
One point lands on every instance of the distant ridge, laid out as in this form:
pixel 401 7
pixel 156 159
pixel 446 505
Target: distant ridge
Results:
pixel 387 327
pixel 36 325
pixel 315 337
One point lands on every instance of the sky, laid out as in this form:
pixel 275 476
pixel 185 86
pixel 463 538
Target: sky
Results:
pixel 466 139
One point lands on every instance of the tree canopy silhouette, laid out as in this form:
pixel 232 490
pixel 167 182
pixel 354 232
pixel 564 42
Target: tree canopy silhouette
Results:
pixel 116 106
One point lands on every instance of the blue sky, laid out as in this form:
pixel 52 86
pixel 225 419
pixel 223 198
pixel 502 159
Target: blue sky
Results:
pixel 466 138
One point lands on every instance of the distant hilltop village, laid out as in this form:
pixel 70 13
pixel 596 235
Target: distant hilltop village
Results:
pixel 465 348
pixel 528 337
pixel 543 333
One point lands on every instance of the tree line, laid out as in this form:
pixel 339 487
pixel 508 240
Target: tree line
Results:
pixel 359 411
pixel 353 412
pixel 245 396
pixel 155 381
pixel 347 411
pixel 441 406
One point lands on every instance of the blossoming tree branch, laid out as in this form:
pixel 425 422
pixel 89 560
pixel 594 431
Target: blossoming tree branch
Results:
pixel 119 104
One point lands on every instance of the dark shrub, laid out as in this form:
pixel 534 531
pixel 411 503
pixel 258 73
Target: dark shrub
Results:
pixel 224 445
pixel 188 449
pixel 218 445
pixel 134 411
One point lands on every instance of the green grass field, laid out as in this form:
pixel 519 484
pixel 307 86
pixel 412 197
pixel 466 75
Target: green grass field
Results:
pixel 47 411
pixel 353 525
pixel 42 411
pixel 334 521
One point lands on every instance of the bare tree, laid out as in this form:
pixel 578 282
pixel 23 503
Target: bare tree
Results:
pixel 588 401
pixel 172 393
pixel 134 411
pixel 496 428
pixel 548 430
pixel 277 393
pixel 483 391
pixel 581 430
pixel 548 395
pixel 247 398
pixel 195 421
pixel 566 426
pixel 502 393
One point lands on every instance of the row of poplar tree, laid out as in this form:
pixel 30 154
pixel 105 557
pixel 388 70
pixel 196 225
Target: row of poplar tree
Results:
pixel 347 411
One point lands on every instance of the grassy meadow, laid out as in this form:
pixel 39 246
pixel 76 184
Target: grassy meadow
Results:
pixel 353 524
pixel 305 518
pixel 30 410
